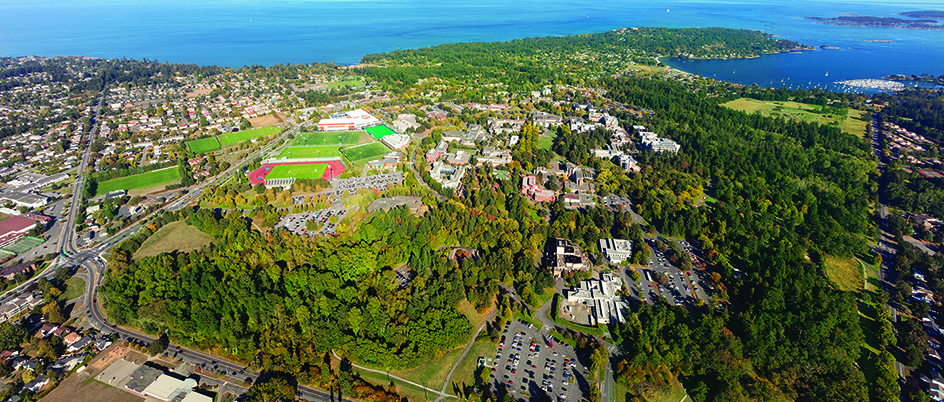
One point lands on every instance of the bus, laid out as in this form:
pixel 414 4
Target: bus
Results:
pixel 648 277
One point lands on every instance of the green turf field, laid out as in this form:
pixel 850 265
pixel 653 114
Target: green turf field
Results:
pixel 365 151
pixel 204 145
pixel 338 84
pixel 143 180
pixel 309 171
pixel 233 138
pixel 309 152
pixel 336 138
pixel 379 131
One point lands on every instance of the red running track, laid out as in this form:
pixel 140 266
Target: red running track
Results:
pixel 335 168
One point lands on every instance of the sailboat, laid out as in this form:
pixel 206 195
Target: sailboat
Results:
pixel 827 73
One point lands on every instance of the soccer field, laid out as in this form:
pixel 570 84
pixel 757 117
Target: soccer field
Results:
pixel 309 152
pixel 204 145
pixel 307 171
pixel 365 151
pixel 338 138
pixel 143 180
pixel 233 138
pixel 379 131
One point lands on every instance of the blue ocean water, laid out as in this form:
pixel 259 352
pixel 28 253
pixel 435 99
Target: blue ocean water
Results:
pixel 243 32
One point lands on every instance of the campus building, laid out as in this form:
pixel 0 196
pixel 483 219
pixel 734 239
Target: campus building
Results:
pixel 616 250
pixel 347 121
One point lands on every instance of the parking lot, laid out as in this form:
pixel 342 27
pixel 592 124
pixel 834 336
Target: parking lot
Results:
pixel 681 288
pixel 297 223
pixel 530 365
pixel 378 181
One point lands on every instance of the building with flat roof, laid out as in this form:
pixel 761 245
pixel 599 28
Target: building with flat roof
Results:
pixel 616 250
pixel 600 296
pixel 28 200
pixel 448 175
pixel 349 120
pixel 437 153
pixel 532 189
pixel 13 228
pixel 142 377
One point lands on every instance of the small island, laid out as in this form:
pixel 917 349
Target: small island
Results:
pixel 881 22
pixel 938 15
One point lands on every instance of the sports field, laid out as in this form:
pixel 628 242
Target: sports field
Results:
pixel 379 131
pixel 309 152
pixel 233 138
pixel 365 151
pixel 204 145
pixel 309 171
pixel 143 180
pixel 337 84
pixel 338 138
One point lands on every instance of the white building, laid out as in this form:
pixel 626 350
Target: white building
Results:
pixel 616 250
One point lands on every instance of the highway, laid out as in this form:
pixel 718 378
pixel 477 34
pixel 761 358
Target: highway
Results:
pixel 71 255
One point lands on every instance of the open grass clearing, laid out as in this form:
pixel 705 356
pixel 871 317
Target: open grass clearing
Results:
pixel 75 287
pixel 853 124
pixel 310 152
pixel 545 142
pixel 176 236
pixel 240 136
pixel 332 138
pixel 464 376
pixel 204 145
pixel 844 272
pixel 365 151
pixel 409 391
pixel 77 388
pixel 339 84
pixel 433 373
pixel 468 310
pixel 143 180
pixel 306 171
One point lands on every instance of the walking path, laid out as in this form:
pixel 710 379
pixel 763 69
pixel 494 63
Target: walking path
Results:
pixel 391 376
pixel 475 336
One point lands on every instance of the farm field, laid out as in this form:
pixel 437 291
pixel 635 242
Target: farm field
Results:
pixel 379 131
pixel 176 236
pixel 310 152
pixel 307 171
pixel 854 124
pixel 79 388
pixel 143 180
pixel 233 138
pixel 204 145
pixel 334 138
pixel 364 151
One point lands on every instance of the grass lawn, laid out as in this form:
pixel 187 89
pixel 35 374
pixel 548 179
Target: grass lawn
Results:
pixel 845 273
pixel 78 388
pixel 854 124
pixel 468 310
pixel 176 236
pixel 143 180
pixel 307 171
pixel 75 288
pixel 338 84
pixel 204 145
pixel 379 131
pixel 465 372
pixel 433 373
pixel 335 138
pixel 408 391
pixel 310 152
pixel 545 142
pixel 233 138
pixel 365 151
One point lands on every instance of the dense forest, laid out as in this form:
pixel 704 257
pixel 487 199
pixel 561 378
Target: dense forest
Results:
pixel 532 61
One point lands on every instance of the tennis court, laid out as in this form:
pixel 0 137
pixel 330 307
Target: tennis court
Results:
pixel 309 171
pixel 23 245
pixel 317 139
pixel 310 152
pixel 380 131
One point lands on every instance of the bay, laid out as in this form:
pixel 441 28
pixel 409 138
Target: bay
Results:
pixel 237 33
